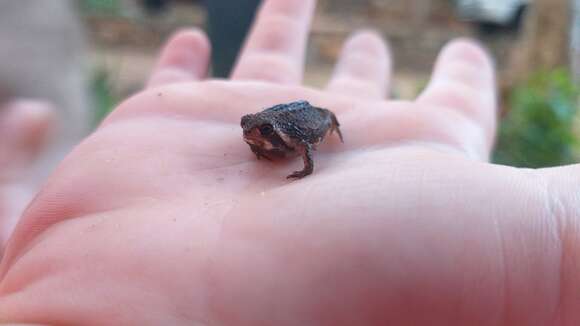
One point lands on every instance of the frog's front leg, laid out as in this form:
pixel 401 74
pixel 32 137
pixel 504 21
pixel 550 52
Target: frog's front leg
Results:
pixel 258 152
pixel 306 151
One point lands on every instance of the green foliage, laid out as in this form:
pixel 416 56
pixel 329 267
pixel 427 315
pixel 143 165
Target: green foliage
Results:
pixel 109 7
pixel 539 129
pixel 104 101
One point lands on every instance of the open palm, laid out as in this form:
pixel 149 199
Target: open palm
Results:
pixel 164 216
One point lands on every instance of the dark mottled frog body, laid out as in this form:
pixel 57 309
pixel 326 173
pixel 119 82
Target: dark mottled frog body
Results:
pixel 288 130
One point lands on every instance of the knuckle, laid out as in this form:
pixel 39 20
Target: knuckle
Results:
pixel 269 66
pixel 466 73
pixel 363 66
pixel 277 33
pixel 355 85
pixel 455 130
pixel 467 51
pixel 453 94
pixel 367 42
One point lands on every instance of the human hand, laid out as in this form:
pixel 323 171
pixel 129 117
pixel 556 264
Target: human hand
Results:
pixel 24 130
pixel 164 216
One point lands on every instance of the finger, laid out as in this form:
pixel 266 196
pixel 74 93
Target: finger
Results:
pixel 275 48
pixel 364 67
pixel 15 196
pixel 463 86
pixel 184 58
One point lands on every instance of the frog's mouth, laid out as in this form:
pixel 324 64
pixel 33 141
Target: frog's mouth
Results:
pixel 258 141
pixel 253 137
pixel 252 141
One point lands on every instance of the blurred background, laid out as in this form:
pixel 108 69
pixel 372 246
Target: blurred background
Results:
pixel 87 55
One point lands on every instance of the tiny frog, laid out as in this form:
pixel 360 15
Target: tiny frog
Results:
pixel 293 129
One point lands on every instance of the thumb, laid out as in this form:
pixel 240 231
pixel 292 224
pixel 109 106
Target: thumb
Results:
pixel 24 130
pixel 25 127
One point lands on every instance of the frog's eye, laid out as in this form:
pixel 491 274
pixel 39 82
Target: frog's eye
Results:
pixel 266 129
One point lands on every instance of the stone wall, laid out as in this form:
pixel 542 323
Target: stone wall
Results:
pixel 415 29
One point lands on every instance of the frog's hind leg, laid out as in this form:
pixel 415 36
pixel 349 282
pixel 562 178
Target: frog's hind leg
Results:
pixel 306 151
pixel 335 126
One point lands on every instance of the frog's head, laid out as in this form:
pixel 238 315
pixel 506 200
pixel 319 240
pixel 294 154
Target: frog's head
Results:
pixel 261 132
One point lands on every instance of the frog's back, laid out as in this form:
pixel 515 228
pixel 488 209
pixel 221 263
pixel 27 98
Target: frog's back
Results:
pixel 299 111
pixel 302 121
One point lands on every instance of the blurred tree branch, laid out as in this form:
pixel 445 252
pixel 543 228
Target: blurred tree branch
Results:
pixel 545 41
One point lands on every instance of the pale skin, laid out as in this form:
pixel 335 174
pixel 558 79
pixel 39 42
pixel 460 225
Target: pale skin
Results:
pixel 25 127
pixel 165 217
